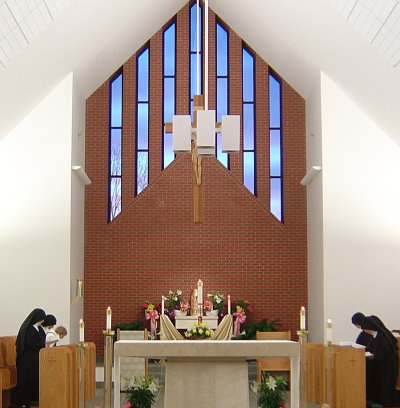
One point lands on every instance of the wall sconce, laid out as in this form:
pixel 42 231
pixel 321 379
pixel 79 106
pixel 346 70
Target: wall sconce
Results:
pixel 311 173
pixel 81 174
pixel 79 288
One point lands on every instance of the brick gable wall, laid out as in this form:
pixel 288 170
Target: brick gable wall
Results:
pixel 154 246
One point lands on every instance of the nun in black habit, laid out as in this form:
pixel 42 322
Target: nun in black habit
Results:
pixel 31 338
pixel 363 338
pixel 383 346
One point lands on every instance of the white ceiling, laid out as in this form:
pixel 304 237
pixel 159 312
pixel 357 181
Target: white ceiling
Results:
pixel 21 21
pixel 93 38
pixel 378 22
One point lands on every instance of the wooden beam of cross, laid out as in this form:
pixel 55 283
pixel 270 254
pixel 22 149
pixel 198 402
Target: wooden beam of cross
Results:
pixel 198 204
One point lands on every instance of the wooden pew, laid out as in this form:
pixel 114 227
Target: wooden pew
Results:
pixel 59 376
pixel 8 370
pixel 346 374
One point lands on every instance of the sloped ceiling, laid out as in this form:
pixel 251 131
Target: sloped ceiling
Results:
pixel 92 38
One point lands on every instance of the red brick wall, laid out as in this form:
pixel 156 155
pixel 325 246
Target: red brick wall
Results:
pixel 154 246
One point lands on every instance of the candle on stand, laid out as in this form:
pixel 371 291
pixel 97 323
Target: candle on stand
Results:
pixel 200 292
pixel 229 304
pixel 329 331
pixel 108 325
pixel 302 318
pixel 81 331
pixel 162 304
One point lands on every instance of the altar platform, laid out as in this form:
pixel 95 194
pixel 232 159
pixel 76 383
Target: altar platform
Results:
pixel 217 370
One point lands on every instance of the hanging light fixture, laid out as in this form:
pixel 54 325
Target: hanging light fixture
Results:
pixel 204 130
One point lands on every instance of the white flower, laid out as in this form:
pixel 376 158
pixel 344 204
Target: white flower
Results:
pixel 179 292
pixel 200 331
pixel 255 387
pixel 271 383
pixel 153 387
pixel 170 292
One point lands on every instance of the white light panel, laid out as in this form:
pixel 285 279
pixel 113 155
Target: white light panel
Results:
pixel 378 21
pixel 23 20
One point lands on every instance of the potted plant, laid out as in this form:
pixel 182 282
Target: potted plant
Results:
pixel 141 392
pixel 174 300
pixel 271 391
pixel 217 301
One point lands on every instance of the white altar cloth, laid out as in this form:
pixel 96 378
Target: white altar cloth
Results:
pixel 221 353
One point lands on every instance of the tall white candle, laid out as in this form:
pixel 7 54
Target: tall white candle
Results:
pixel 81 331
pixel 229 304
pixel 162 304
pixel 329 331
pixel 302 318
pixel 108 325
pixel 200 292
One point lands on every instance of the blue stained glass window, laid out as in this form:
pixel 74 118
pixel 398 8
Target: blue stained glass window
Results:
pixel 249 129
pixel 169 51
pixel 249 171
pixel 143 76
pixel 116 102
pixel 275 147
pixel 115 151
pixel 142 171
pixel 248 126
pixel 169 75
pixel 275 152
pixel 193 54
pixel 248 76
pixel 222 86
pixel 275 98
pixel 276 197
pixel 142 121
pixel 222 51
pixel 143 126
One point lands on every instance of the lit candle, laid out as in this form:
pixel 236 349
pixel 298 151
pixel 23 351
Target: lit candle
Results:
pixel 81 331
pixel 229 304
pixel 302 318
pixel 108 325
pixel 329 331
pixel 200 292
pixel 162 304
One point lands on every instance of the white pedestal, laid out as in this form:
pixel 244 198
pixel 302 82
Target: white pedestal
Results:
pixel 185 322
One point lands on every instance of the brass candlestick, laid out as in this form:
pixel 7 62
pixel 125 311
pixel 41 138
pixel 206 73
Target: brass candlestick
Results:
pixel 81 356
pixel 108 358
pixel 303 339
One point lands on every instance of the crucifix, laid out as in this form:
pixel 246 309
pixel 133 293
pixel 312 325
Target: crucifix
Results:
pixel 197 158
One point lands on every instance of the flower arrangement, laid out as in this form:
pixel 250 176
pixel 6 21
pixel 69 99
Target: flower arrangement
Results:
pixel 199 331
pixel 207 305
pixel 243 305
pixel 271 391
pixel 174 300
pixel 147 306
pixel 217 300
pixel 141 392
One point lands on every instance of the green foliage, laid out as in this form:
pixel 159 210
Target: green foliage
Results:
pixel 141 391
pixel 136 325
pixel 271 391
pixel 251 328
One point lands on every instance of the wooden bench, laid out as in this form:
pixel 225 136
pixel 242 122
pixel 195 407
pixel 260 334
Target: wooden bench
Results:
pixel 8 370
pixel 59 375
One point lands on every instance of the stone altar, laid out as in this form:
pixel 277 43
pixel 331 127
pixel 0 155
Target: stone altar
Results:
pixel 216 369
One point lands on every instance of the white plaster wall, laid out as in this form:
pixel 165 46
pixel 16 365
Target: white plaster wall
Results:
pixel 77 209
pixel 315 310
pixel 35 179
pixel 361 215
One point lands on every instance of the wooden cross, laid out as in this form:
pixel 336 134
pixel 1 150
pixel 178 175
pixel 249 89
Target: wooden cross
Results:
pixel 198 204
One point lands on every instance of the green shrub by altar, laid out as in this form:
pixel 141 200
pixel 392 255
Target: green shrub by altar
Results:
pixel 136 325
pixel 251 328
pixel 270 391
